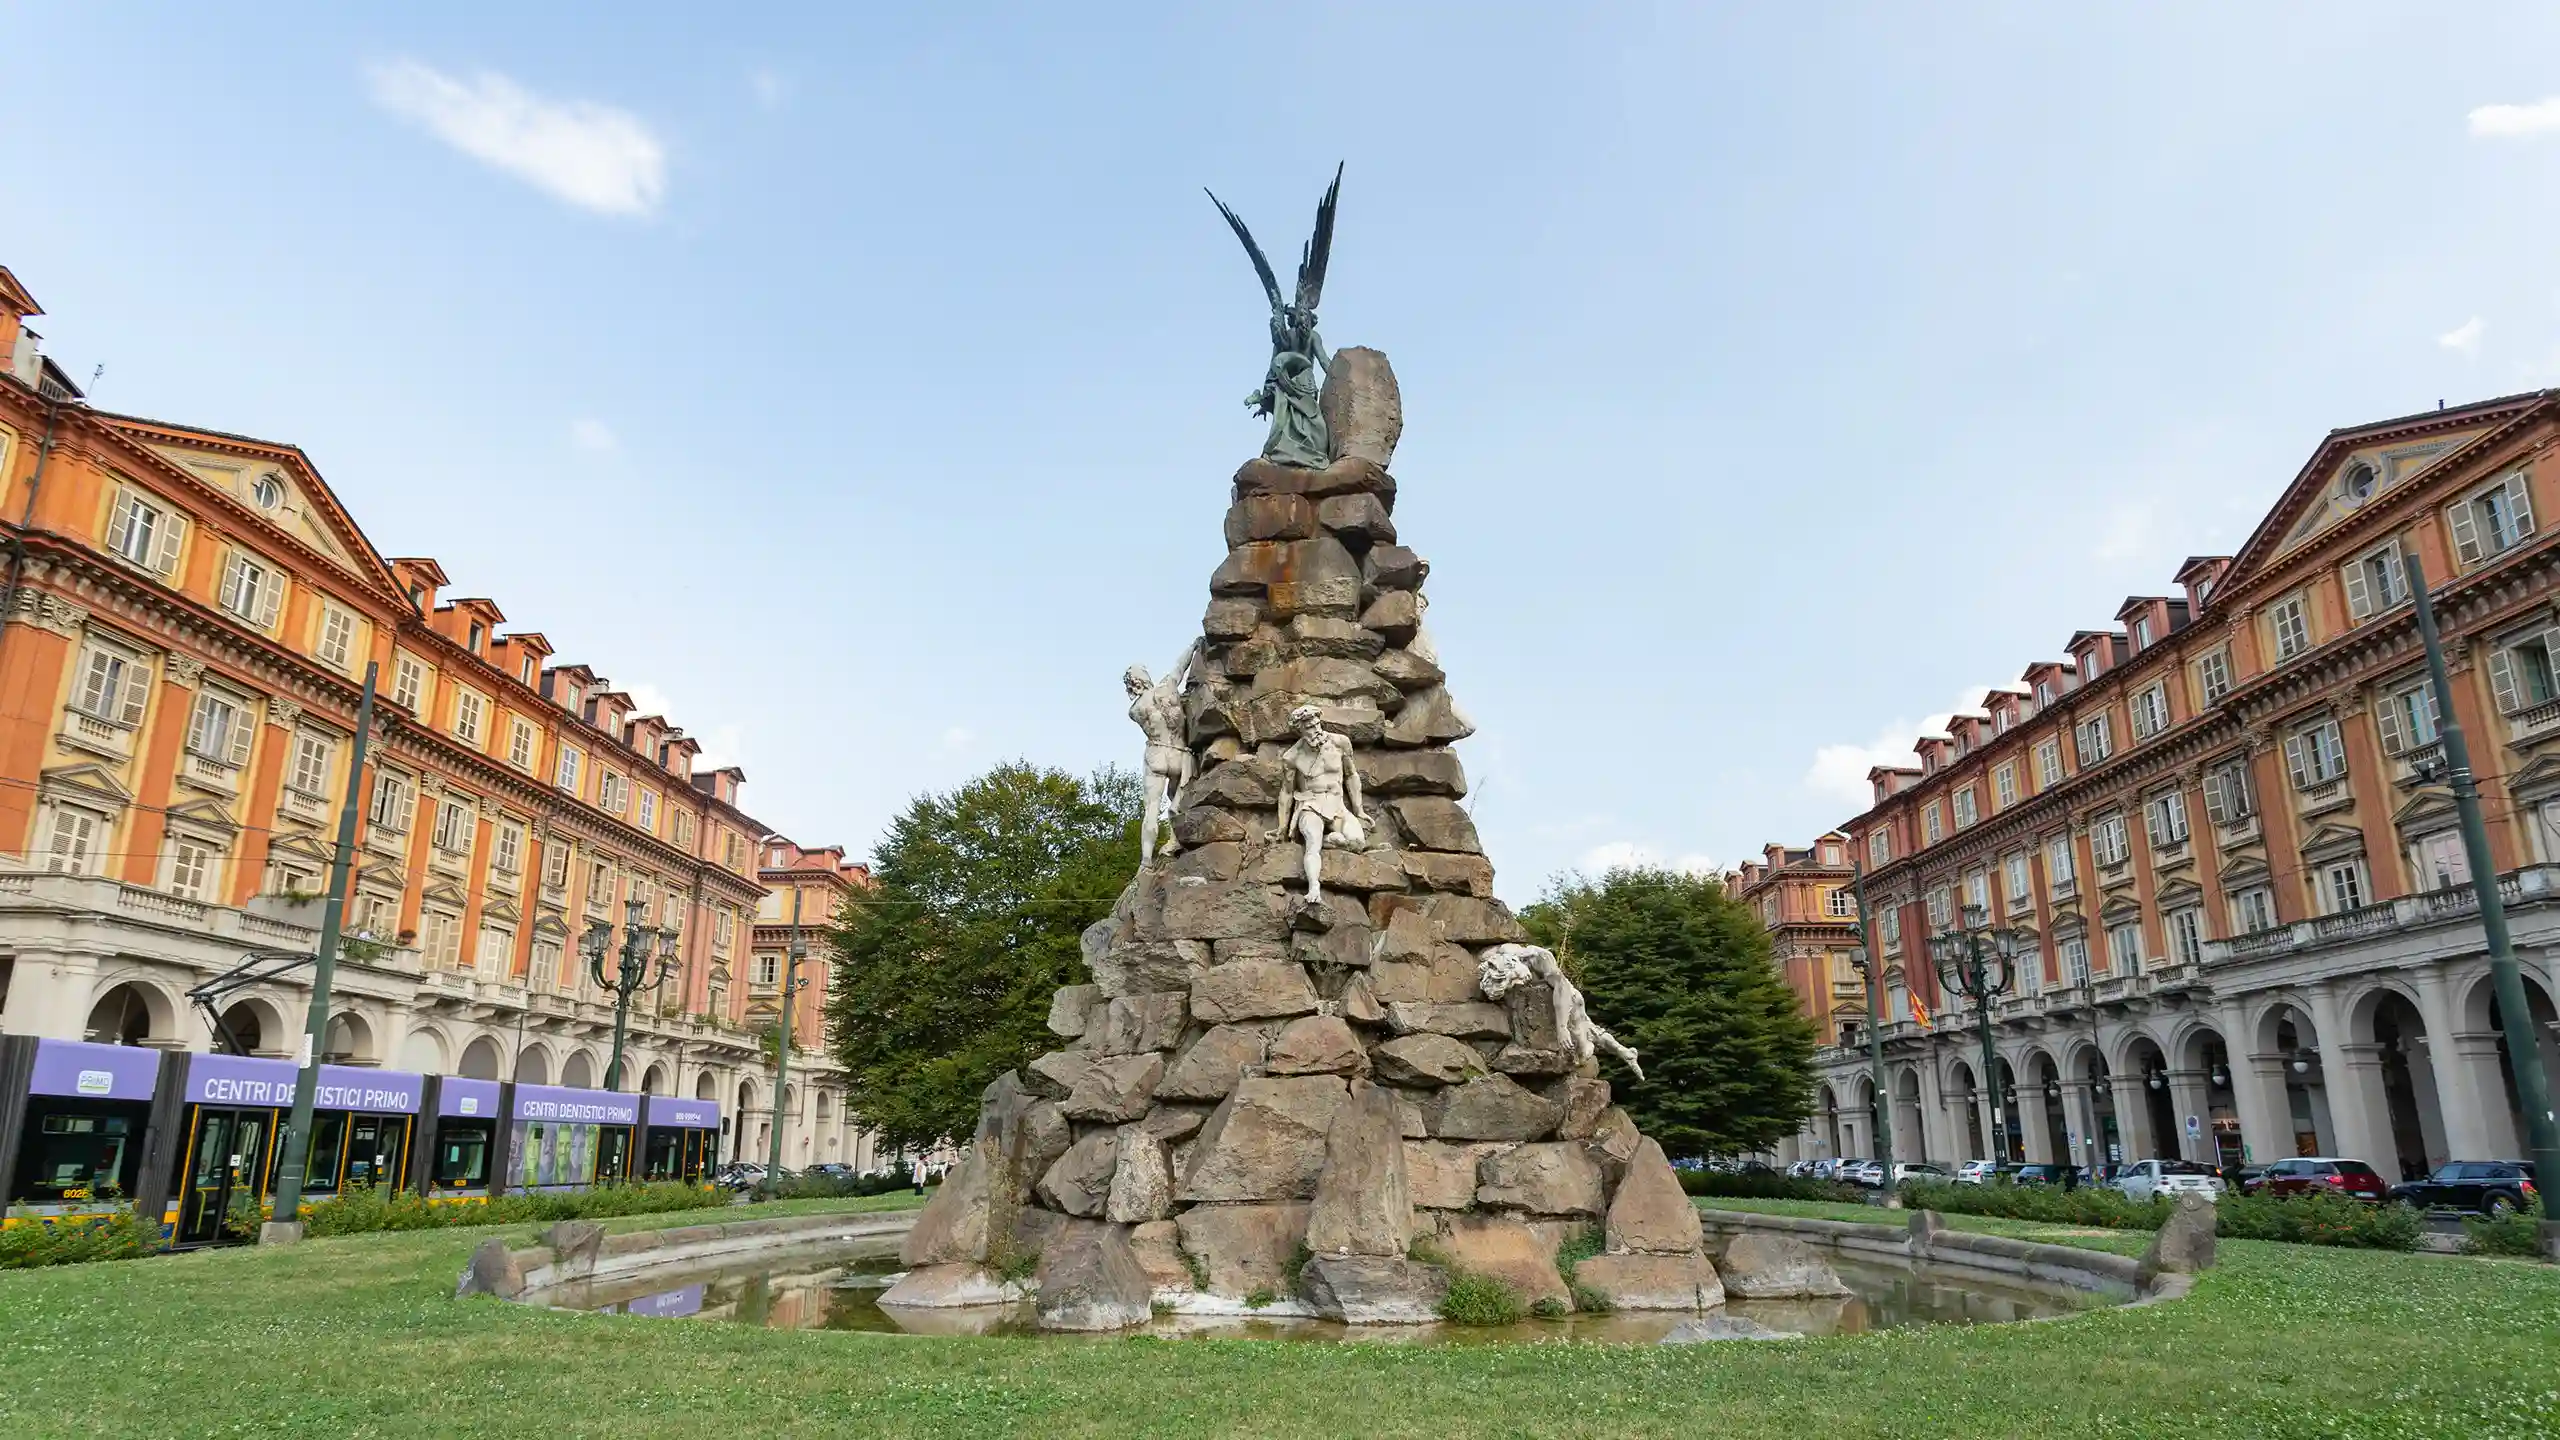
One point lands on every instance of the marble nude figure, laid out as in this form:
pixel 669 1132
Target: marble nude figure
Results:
pixel 1319 796
pixel 1156 708
pixel 1505 968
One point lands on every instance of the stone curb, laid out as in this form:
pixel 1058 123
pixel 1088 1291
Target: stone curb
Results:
pixel 1993 1255
pixel 528 1273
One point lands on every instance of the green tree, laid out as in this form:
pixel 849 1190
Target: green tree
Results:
pixel 945 969
pixel 1681 971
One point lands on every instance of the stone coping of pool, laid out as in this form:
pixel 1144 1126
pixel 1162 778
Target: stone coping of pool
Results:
pixel 1925 1238
pixel 579 1253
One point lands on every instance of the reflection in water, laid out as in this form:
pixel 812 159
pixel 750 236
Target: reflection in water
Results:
pixel 835 1292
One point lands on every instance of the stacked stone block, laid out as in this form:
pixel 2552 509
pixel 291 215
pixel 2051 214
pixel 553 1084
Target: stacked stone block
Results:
pixel 1265 1098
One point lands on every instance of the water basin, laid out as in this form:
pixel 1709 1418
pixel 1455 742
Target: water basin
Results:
pixel 840 1290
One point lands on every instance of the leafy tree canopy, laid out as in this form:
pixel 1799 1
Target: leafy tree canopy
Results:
pixel 945 969
pixel 1681 971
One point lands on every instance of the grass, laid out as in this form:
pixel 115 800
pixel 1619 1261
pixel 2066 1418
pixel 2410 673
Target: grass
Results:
pixel 358 1337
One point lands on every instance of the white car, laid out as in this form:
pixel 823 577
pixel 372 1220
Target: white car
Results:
pixel 1977 1172
pixel 1861 1172
pixel 2144 1179
pixel 1916 1170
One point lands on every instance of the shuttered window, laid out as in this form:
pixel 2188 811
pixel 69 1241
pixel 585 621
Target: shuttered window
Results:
pixel 394 800
pixel 2315 755
pixel 2165 818
pixel 114 686
pixel 2492 521
pixel 2151 711
pixel 71 848
pixel 2407 718
pixel 2213 675
pixel 311 756
pixel 2521 673
pixel 219 729
pixel 2108 844
pixel 144 531
pixel 251 589
pixel 2290 625
pixel 2376 581
pixel 2227 798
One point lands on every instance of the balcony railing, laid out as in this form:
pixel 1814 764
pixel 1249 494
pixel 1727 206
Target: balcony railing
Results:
pixel 91 733
pixel 204 770
pixel 2534 884
pixel 2535 720
pixel 2238 832
pixel 303 804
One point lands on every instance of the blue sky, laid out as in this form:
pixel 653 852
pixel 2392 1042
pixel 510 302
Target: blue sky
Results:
pixel 864 383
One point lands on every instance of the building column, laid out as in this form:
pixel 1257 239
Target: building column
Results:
pixel 2476 1055
pixel 2257 1092
pixel 2035 1123
pixel 2356 1104
pixel 2133 1116
pixel 49 995
pixel 1935 1140
pixel 2191 1093
pixel 2463 1104
pixel 2353 1080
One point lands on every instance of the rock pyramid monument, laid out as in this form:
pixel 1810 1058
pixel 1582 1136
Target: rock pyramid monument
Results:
pixel 1326 1095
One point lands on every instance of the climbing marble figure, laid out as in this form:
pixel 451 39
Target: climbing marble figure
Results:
pixel 1505 968
pixel 1157 710
pixel 1319 796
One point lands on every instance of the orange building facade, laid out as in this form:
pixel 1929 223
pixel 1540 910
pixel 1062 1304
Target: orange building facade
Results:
pixel 190 615
pixel 1805 900
pixel 805 890
pixel 2222 825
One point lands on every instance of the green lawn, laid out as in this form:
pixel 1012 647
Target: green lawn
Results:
pixel 357 1337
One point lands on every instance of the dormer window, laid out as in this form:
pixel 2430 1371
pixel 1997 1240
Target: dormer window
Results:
pixel 2142 632
pixel 2044 693
pixel 2088 665
pixel 477 632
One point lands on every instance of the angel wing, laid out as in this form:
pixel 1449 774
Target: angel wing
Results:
pixel 1261 263
pixel 1319 249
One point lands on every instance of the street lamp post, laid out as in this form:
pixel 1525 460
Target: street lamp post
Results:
pixel 1979 961
pixel 1870 970
pixel 644 961
pixel 797 951
pixel 2524 1049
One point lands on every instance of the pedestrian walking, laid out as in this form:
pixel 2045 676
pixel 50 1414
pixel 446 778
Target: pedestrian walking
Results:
pixel 918 1173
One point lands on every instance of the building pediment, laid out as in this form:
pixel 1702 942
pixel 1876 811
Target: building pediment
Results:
pixel 91 782
pixel 499 907
pixel 203 815
pixel 2244 869
pixel 549 927
pixel 2181 892
pixel 309 847
pixel 445 892
pixel 2428 809
pixel 2331 842
pixel 2120 909
pixel 2538 778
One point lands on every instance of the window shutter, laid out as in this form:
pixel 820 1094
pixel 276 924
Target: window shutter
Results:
pixel 408 806
pixel 196 723
pixel 2466 531
pixel 120 521
pixel 245 726
pixel 2502 679
pixel 2395 575
pixel 2294 760
pixel 270 596
pixel 2522 496
pixel 2359 593
pixel 2217 808
pixel 173 533
pixel 231 569
pixel 98 683
pixel 2395 730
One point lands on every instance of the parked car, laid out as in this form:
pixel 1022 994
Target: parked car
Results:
pixel 2245 1179
pixel 2144 1179
pixel 2324 1174
pixel 2481 1187
pixel 829 1170
pixel 1823 1169
pixel 1800 1170
pixel 2033 1173
pixel 1977 1172
pixel 1869 1173
pixel 1917 1170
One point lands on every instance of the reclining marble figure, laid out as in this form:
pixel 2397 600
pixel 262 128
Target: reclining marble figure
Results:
pixel 1505 968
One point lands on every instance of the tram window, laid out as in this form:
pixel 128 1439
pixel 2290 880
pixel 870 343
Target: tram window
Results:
pixel 373 1150
pixel 613 1160
pixel 74 1152
pixel 462 1155
pixel 328 1144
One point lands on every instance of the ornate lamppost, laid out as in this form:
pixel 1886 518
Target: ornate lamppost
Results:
pixel 1870 972
pixel 1979 961
pixel 645 961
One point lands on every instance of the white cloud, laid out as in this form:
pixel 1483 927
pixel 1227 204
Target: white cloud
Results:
pixel 593 436
pixel 2464 337
pixel 1629 854
pixel 594 156
pixel 957 738
pixel 770 89
pixel 1839 772
pixel 2511 122
pixel 650 700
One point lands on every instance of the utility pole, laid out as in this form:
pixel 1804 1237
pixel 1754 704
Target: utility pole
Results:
pixel 2524 1048
pixel 772 1181
pixel 1871 968
pixel 286 1227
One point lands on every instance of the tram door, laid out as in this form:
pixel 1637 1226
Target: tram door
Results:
pixel 228 1156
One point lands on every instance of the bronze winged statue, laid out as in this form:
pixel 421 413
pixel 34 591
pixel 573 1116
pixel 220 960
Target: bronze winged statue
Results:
pixel 1292 388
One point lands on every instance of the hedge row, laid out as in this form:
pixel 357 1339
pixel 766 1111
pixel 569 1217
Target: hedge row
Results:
pixel 121 1235
pixel 2302 1220
pixel 1759 1185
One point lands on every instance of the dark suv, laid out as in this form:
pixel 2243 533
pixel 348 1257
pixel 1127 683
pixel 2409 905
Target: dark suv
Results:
pixel 2483 1187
